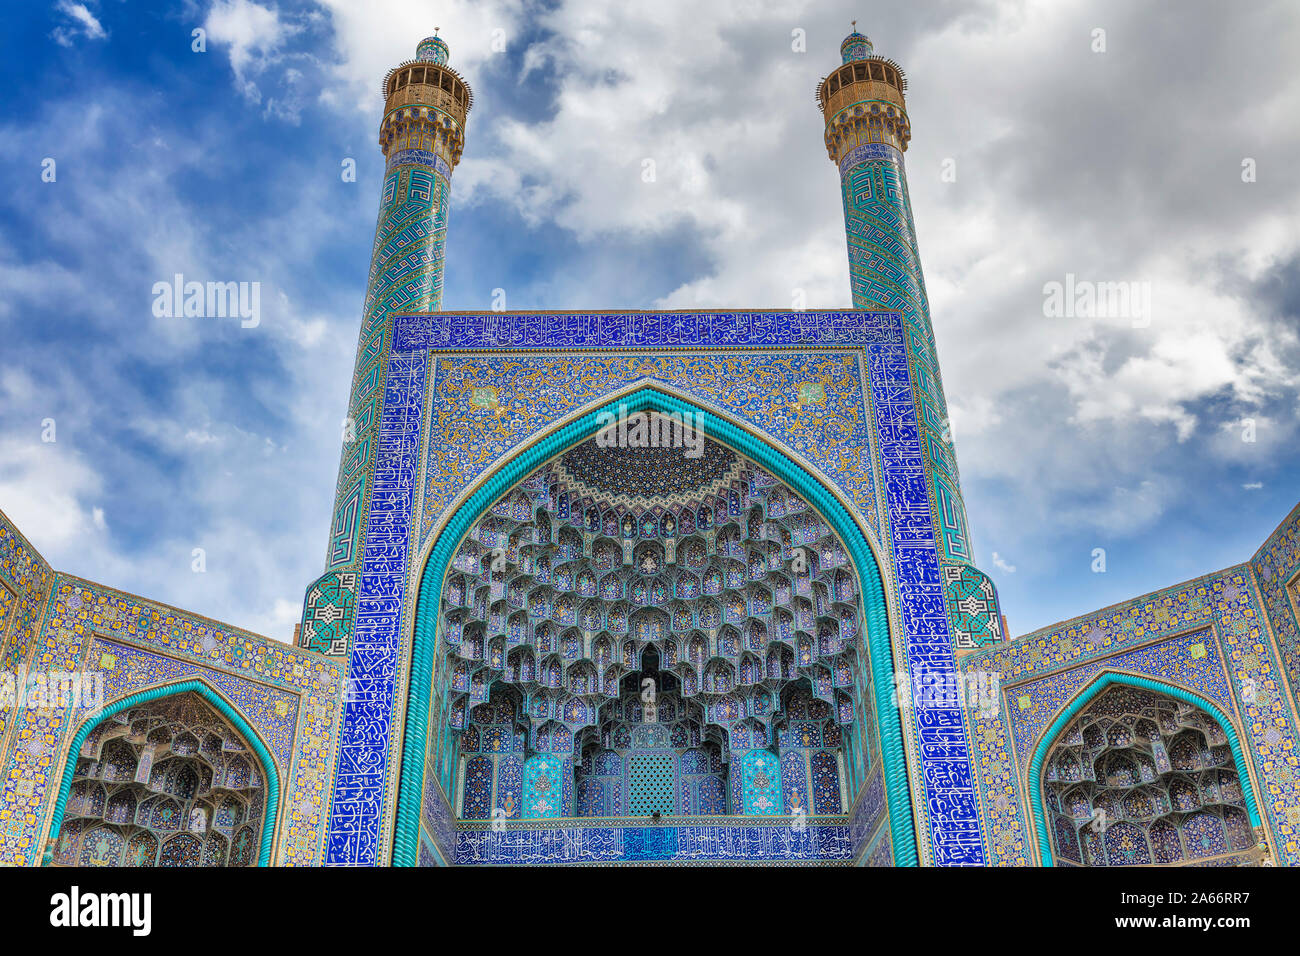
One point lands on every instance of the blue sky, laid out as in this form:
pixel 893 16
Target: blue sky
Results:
pixel 1072 433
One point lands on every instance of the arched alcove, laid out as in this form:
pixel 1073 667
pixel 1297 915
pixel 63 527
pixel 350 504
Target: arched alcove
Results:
pixel 171 776
pixel 1137 771
pixel 571 632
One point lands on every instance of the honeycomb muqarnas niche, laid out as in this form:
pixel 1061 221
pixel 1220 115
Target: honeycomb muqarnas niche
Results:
pixel 749 643
pixel 1154 779
pixel 172 784
pixel 665 629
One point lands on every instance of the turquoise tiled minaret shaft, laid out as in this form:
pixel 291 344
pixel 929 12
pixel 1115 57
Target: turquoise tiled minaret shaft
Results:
pixel 946 606
pixel 867 133
pixel 422 135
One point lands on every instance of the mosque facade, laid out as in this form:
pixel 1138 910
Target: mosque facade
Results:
pixel 650 587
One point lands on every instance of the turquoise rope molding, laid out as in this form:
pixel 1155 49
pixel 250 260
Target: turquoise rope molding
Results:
pixel 168 690
pixel 1146 683
pixel 411 778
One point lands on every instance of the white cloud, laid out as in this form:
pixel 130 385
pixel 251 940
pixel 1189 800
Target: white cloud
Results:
pixel 252 32
pixel 84 23
pixel 279 621
pixel 49 491
pixel 1124 511
pixel 371 38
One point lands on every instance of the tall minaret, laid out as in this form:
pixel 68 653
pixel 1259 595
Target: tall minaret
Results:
pixel 422 135
pixel 867 132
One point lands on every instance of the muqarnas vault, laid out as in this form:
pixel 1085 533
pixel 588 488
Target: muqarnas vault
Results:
pixel 535 643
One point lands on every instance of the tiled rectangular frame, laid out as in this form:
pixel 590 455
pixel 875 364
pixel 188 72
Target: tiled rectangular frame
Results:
pixel 747 365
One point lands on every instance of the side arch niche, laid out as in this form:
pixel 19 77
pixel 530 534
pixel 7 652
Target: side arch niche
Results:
pixel 618 630
pixel 1136 772
pixel 168 777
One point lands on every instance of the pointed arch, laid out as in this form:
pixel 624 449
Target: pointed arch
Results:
pixel 648 397
pixel 1108 679
pixel 269 770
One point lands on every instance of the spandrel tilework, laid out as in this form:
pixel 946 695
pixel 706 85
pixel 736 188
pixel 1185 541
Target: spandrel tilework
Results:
pixel 830 427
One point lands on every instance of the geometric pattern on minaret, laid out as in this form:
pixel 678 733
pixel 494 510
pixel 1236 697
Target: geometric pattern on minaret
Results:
pixel 422 136
pixel 867 132
pixel 943 601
